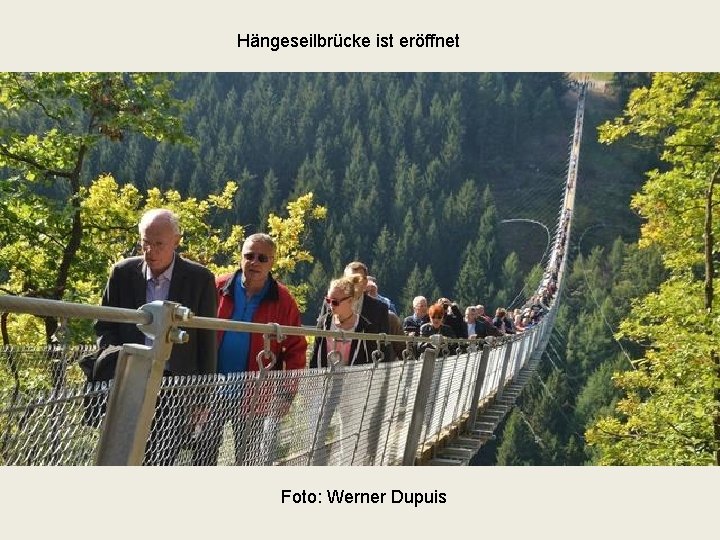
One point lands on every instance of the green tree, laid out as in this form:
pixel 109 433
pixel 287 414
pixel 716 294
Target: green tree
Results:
pixel 519 445
pixel 669 413
pixel 78 110
pixel 510 281
pixel 472 280
pixel 270 195
pixel 419 283
pixel 110 213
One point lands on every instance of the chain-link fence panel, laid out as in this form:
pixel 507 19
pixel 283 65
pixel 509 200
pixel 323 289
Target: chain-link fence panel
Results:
pixel 53 428
pixel 466 384
pixel 29 370
pixel 442 371
pixel 492 374
pixel 403 403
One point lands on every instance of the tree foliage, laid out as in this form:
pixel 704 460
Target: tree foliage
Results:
pixel 400 161
pixel 74 112
pixel 669 413
pixel 59 233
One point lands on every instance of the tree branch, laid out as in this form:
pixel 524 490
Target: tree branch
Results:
pixel 29 161
pixel 37 102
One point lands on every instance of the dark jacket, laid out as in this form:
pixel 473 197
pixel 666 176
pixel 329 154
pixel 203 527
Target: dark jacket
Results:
pixel 191 285
pixel 413 323
pixel 427 330
pixel 376 317
pixel 374 312
pixel 484 329
pixel 455 320
pixel 360 350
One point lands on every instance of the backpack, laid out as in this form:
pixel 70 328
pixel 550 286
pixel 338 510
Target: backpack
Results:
pixel 98 367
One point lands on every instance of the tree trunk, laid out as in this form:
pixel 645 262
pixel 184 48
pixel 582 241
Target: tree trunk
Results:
pixel 3 329
pixel 70 251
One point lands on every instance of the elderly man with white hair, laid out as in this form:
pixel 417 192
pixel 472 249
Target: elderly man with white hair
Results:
pixel 161 274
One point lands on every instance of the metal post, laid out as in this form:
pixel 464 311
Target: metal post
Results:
pixel 462 385
pixel 131 404
pixel 503 371
pixel 406 357
pixel 418 413
pixel 447 395
pixel 482 368
pixel 376 359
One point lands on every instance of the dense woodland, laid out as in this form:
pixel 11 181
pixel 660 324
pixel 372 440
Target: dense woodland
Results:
pixel 402 162
pixel 413 174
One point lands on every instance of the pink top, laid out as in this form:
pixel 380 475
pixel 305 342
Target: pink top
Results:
pixel 341 346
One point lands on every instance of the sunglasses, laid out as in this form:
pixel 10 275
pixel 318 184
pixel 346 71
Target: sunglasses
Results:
pixel 437 318
pixel 334 302
pixel 260 257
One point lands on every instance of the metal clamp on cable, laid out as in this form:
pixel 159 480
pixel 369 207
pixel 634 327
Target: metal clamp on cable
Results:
pixel 265 354
pixel 153 329
pixel 182 313
pixel 377 355
pixel 278 334
pixel 333 359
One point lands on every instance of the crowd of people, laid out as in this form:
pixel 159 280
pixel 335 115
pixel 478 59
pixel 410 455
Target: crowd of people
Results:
pixel 251 294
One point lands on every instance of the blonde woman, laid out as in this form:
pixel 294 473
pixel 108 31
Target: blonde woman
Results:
pixel 342 296
pixel 342 315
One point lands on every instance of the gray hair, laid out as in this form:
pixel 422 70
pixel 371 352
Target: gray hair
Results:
pixel 417 300
pixel 261 238
pixel 158 215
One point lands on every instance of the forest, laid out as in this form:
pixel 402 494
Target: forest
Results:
pixel 416 174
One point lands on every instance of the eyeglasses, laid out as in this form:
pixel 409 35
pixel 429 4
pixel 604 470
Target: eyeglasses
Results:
pixel 437 318
pixel 260 257
pixel 335 302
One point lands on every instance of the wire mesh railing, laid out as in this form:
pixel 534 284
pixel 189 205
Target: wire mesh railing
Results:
pixel 339 415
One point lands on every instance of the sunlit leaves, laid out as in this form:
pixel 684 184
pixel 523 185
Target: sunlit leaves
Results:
pixel 680 112
pixel 49 122
pixel 110 213
pixel 290 232
pixel 667 413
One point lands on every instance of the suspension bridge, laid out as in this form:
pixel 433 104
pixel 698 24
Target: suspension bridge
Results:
pixel 435 408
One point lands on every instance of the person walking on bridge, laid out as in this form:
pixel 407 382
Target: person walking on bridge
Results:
pixel 161 274
pixel 251 294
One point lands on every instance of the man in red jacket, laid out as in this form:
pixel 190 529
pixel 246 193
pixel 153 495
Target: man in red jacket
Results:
pixel 251 294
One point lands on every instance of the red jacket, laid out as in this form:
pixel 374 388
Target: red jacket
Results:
pixel 279 307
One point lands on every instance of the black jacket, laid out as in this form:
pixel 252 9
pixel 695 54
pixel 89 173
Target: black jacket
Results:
pixel 375 313
pixel 360 350
pixel 413 324
pixel 427 330
pixel 456 321
pixel 191 285
pixel 484 329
